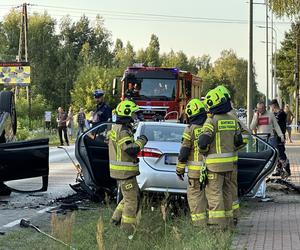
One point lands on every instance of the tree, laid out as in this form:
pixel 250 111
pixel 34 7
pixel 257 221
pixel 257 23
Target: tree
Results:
pixel 141 56
pixel 152 52
pixel 100 43
pixel 234 69
pixel 123 57
pixel 289 8
pixel 178 60
pixel 9 36
pixel 89 79
pixel 42 53
pixel 286 64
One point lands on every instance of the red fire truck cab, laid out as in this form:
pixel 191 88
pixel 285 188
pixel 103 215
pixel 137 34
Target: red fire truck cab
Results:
pixel 161 93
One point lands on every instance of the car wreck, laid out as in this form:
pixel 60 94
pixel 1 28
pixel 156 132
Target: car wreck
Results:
pixel 19 159
pixel 157 161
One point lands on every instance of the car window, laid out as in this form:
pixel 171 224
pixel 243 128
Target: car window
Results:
pixel 99 133
pixel 163 133
pixel 255 144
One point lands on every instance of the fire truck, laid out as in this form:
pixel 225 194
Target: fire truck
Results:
pixel 161 93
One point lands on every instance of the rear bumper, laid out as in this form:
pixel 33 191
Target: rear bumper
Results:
pixel 151 180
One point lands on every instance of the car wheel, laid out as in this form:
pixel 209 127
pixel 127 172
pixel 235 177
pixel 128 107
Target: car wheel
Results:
pixel 119 194
pixel 7 104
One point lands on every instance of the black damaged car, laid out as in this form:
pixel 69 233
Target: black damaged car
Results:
pixel 19 159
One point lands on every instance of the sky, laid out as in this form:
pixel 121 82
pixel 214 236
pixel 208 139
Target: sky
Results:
pixel 195 37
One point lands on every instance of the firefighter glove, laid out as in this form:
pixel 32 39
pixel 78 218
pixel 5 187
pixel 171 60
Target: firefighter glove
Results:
pixel 143 138
pixel 180 170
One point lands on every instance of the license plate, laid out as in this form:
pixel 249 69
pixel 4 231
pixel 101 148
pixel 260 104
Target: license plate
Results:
pixel 171 159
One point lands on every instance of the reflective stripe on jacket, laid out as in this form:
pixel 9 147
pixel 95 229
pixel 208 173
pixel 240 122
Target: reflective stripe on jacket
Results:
pixel 123 165
pixel 194 158
pixel 221 154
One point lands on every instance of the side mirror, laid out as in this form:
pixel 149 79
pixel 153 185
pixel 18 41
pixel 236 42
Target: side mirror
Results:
pixel 115 87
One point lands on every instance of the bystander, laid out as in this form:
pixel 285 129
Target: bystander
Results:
pixel 62 126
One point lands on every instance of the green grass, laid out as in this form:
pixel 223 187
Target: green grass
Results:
pixel 152 233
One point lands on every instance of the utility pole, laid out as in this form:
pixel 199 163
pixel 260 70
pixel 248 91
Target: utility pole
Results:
pixel 297 72
pixel 267 54
pixel 272 60
pixel 23 46
pixel 250 66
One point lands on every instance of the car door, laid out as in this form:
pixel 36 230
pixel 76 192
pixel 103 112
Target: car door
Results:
pixel 25 159
pixel 256 161
pixel 91 152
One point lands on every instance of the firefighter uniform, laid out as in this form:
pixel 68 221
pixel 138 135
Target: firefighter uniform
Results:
pixel 245 131
pixel 219 141
pixel 190 156
pixel 123 163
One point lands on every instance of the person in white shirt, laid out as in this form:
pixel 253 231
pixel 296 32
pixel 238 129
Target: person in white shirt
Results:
pixel 265 122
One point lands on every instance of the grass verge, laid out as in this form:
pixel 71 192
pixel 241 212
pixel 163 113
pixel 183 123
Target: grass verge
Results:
pixel 92 230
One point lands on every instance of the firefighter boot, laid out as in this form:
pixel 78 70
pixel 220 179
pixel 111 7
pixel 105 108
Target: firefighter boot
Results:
pixel 117 215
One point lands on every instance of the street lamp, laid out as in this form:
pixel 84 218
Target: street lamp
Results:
pixel 267 41
pixel 273 82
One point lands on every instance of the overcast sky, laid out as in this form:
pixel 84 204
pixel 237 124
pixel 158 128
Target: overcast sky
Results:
pixel 195 36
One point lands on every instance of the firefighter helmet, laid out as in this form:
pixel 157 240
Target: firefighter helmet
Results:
pixel 214 98
pixel 225 91
pixel 126 108
pixel 194 107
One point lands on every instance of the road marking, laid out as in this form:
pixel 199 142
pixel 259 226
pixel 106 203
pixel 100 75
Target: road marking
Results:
pixel 12 224
pixel 16 222
pixel 44 210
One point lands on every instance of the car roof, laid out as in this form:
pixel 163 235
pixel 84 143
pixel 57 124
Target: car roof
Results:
pixel 168 124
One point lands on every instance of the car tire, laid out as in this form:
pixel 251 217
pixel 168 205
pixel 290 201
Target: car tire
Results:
pixel 7 104
pixel 119 194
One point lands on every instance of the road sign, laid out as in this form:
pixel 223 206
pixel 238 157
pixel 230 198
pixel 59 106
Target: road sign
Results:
pixel 47 116
pixel 15 73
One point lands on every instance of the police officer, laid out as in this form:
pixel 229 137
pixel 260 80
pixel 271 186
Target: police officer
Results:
pixel 219 141
pixel 103 111
pixel 246 131
pixel 123 151
pixel 190 156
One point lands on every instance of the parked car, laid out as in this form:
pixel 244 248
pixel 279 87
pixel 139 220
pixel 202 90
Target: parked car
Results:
pixel 19 159
pixel 158 160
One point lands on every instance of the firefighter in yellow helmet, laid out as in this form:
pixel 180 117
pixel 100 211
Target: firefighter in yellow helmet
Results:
pixel 219 141
pixel 123 163
pixel 245 132
pixel 191 157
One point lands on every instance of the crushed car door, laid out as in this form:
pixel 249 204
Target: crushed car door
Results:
pixel 92 154
pixel 25 159
pixel 256 161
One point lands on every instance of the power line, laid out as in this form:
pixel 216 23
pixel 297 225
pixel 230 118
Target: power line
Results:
pixel 134 16
pixel 148 15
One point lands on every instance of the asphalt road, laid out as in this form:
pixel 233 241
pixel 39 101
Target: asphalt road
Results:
pixel 21 205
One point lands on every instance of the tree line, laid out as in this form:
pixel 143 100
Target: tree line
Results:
pixel 69 59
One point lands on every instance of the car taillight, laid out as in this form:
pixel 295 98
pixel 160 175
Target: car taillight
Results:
pixel 150 152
